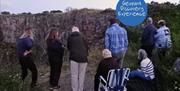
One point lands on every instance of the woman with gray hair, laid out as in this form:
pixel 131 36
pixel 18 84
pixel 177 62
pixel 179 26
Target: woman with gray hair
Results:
pixel 146 70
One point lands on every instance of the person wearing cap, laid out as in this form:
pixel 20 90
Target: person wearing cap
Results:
pixel 24 50
pixel 146 69
pixel 116 41
pixel 78 50
pixel 147 39
pixel 104 66
pixel 161 39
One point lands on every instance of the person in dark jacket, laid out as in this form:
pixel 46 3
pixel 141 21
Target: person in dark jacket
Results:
pixel 147 39
pixel 55 52
pixel 78 49
pixel 105 65
pixel 24 45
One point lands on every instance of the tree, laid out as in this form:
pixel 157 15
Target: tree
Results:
pixel 56 11
pixel 68 9
pixel 5 13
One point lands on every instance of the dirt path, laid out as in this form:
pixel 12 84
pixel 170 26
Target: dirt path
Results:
pixel 65 77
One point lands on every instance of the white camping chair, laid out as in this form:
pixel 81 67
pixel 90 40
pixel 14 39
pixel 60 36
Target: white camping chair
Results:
pixel 116 80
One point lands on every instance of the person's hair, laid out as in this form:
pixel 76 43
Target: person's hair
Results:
pixel 27 28
pixel 149 20
pixel 24 35
pixel 52 34
pixel 112 21
pixel 142 54
pixel 75 29
pixel 106 53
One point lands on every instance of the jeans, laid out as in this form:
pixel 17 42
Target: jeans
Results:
pixel 78 71
pixel 55 69
pixel 139 74
pixel 27 63
pixel 119 57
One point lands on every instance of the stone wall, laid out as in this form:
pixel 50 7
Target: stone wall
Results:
pixel 92 24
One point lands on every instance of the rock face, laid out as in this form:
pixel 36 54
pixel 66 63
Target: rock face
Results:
pixel 92 23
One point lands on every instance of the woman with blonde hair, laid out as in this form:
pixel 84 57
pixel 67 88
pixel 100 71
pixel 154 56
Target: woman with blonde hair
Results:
pixel 24 45
pixel 55 52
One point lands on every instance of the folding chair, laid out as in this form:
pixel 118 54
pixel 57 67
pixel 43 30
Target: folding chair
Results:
pixel 116 80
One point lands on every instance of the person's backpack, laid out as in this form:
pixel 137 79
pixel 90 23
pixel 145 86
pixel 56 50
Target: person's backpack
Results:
pixel 168 42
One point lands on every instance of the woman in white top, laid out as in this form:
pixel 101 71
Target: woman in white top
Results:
pixel 146 70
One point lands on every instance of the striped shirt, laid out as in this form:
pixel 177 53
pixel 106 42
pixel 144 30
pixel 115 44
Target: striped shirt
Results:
pixel 116 39
pixel 148 68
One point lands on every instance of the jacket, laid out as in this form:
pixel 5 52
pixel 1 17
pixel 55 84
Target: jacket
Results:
pixel 77 47
pixel 104 66
pixel 116 39
pixel 148 35
pixel 55 48
pixel 161 36
pixel 24 44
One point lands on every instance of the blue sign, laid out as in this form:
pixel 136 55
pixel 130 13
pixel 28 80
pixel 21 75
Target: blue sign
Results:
pixel 131 12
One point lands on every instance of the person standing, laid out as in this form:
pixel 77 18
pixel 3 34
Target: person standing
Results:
pixel 104 67
pixel 24 49
pixel 162 39
pixel 78 49
pixel 55 55
pixel 116 41
pixel 147 39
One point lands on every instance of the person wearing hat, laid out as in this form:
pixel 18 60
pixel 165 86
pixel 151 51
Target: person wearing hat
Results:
pixel 116 41
pixel 147 39
pixel 78 50
pixel 104 66
pixel 24 50
pixel 162 39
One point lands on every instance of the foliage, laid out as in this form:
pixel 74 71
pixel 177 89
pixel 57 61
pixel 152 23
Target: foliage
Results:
pixel 10 80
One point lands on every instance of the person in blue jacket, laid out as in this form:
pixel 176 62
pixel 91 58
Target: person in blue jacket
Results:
pixel 24 45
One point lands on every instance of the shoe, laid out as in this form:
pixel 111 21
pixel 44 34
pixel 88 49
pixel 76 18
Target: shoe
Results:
pixel 34 85
pixel 54 87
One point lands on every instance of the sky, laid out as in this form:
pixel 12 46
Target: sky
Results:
pixel 38 6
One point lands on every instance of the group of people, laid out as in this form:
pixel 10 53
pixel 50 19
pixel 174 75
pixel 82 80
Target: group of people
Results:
pixel 77 47
pixel 116 45
pixel 153 38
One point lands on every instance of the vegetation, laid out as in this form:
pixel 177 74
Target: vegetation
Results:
pixel 9 70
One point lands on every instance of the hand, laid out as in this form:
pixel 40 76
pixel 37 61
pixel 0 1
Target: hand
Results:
pixel 138 70
pixel 27 52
